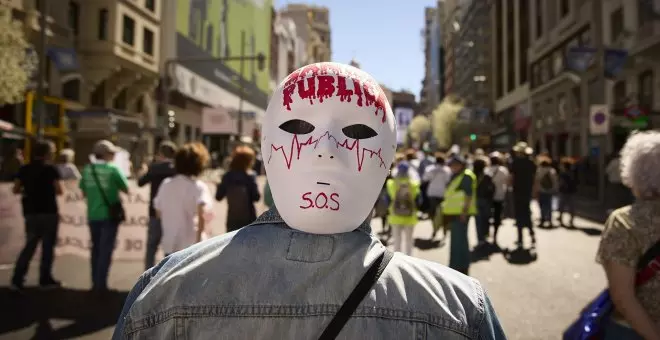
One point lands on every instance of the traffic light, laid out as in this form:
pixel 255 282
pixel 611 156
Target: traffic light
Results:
pixel 473 137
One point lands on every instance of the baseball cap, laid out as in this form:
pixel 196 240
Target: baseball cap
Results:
pixel 456 159
pixel 105 147
pixel 402 168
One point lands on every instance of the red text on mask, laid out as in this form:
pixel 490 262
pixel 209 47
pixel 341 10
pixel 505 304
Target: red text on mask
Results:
pixel 320 200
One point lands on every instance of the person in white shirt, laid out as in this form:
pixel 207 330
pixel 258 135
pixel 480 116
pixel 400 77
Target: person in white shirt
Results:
pixel 438 176
pixel 182 200
pixel 500 175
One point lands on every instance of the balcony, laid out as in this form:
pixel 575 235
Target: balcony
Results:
pixel 647 41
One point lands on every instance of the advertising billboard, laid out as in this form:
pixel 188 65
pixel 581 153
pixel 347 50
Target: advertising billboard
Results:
pixel 214 28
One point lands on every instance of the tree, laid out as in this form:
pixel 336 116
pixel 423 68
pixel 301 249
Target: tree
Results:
pixel 444 120
pixel 17 59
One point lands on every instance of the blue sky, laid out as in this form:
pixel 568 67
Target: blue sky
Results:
pixel 384 39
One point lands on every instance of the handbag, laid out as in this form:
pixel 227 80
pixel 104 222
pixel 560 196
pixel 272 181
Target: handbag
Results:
pixel 357 295
pixel 591 322
pixel 115 210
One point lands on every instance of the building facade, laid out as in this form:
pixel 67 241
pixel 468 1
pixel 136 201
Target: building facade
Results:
pixel 509 70
pixel 449 27
pixel 289 50
pixel 427 35
pixel 313 26
pixel 217 87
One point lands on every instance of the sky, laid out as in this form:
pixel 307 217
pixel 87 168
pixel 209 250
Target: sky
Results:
pixel 384 39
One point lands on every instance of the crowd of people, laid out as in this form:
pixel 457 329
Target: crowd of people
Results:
pixel 179 200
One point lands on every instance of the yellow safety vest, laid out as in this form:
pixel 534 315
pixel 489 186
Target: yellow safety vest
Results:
pixel 455 198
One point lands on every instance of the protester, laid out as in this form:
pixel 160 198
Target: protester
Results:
pixel 161 169
pixel 183 199
pixel 101 183
pixel 404 195
pixel 485 195
pixel 630 232
pixel 546 185
pixel 500 175
pixel 438 176
pixel 567 191
pixel 459 205
pixel 65 166
pixel 286 275
pixel 523 173
pixel 39 184
pixel 239 186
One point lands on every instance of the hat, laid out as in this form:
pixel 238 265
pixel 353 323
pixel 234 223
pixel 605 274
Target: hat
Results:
pixel 456 159
pixel 520 147
pixel 105 147
pixel 402 168
pixel 479 152
pixel 528 151
pixel 495 154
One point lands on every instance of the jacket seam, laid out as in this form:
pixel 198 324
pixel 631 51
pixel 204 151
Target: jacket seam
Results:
pixel 320 310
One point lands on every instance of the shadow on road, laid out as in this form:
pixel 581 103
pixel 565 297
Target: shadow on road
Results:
pixel 520 256
pixel 88 313
pixel 587 230
pixel 483 253
pixel 426 244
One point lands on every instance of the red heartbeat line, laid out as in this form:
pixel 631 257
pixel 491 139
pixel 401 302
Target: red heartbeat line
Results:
pixel 298 146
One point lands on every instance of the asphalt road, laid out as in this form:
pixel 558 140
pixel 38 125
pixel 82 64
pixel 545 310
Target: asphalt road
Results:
pixel 535 297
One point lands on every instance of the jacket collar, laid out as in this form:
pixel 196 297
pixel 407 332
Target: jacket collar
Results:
pixel 273 217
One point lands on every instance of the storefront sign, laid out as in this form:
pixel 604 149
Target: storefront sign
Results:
pixel 219 120
pixel 599 119
pixel 73 235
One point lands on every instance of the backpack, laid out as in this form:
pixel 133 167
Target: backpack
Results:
pixel 238 203
pixel 546 181
pixel 404 202
pixel 486 187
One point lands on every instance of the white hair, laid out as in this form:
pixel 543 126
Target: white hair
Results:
pixel 640 161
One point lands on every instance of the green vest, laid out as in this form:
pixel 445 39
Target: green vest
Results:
pixel 455 199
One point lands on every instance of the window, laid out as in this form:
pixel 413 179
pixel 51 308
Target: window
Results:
pixel 616 24
pixel 150 5
pixel 71 90
pixel 585 38
pixel 98 96
pixel 577 101
pixel 536 75
pixel 148 42
pixel 74 11
pixel 128 34
pixel 564 7
pixel 645 13
pixel 103 24
pixel 619 94
pixel 557 63
pixel 121 100
pixel 188 133
pixel 198 134
pixel 524 39
pixel 645 89
pixel 539 19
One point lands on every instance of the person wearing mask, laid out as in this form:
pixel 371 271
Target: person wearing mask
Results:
pixel 161 169
pixel 459 205
pixel 485 195
pixel 567 191
pixel 630 240
pixel 437 175
pixel 546 184
pixel 182 200
pixel 288 274
pixel 39 184
pixel 523 173
pixel 101 183
pixel 500 175
pixel 68 170
pixel 404 195
pixel 239 186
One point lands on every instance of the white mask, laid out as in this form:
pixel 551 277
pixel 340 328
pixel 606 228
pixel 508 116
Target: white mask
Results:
pixel 329 138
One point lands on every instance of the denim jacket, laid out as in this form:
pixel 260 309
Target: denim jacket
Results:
pixel 268 281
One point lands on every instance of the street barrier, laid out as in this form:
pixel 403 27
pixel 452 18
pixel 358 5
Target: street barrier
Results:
pixel 73 235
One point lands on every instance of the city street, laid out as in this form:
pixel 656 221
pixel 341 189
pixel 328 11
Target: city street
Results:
pixel 534 298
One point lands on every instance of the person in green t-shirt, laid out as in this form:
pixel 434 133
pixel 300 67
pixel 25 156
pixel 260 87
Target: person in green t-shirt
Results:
pixel 102 228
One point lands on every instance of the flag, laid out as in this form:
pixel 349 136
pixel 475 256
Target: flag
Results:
pixel 581 58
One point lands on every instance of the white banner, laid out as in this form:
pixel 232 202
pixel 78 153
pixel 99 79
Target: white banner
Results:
pixel 218 120
pixel 73 235
pixel 599 119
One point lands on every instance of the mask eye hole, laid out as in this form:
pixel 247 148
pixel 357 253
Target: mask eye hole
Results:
pixel 297 127
pixel 359 131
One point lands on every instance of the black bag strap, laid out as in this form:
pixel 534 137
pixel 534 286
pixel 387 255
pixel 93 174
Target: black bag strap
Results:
pixel 357 295
pixel 649 256
pixel 98 184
